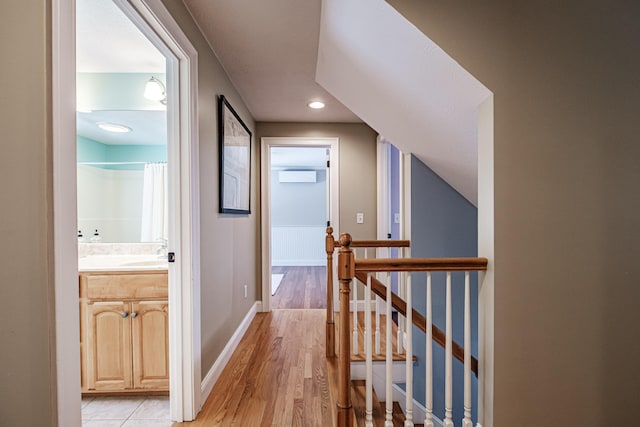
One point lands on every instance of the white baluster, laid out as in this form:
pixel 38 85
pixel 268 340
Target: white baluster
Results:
pixel 428 421
pixel 466 420
pixel 378 299
pixel 388 422
pixel 368 421
pixel 409 356
pixel 401 294
pixel 448 379
pixel 355 311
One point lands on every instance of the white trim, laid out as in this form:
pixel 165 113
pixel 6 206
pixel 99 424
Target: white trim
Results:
pixel 265 198
pixel 155 21
pixel 65 247
pixel 221 362
pixel 383 188
pixel 405 199
pixel 419 411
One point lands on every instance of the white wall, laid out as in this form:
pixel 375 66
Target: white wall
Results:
pixel 110 201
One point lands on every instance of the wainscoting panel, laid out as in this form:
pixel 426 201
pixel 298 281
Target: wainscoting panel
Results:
pixel 298 246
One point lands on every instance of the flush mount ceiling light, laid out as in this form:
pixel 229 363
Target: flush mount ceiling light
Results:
pixel 154 90
pixel 113 127
pixel 316 105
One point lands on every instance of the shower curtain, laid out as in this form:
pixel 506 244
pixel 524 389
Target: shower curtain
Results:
pixel 154 203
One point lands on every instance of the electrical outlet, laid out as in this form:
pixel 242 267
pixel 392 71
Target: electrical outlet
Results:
pixel 360 218
pixel 396 218
pixel 245 291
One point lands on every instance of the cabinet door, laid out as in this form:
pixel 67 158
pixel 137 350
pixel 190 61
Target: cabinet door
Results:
pixel 108 346
pixel 150 336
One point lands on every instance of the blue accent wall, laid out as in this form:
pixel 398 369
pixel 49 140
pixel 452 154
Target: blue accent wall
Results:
pixel 443 224
pixel 89 150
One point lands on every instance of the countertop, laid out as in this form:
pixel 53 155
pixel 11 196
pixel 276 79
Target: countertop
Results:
pixel 92 263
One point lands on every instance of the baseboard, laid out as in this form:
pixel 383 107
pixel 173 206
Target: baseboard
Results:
pixel 419 411
pixel 221 362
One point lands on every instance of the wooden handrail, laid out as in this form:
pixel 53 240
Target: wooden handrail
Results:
pixel 378 243
pixel 421 264
pixel 418 319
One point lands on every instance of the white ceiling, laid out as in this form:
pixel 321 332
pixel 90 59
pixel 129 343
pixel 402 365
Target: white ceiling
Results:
pixel 108 42
pixel 269 49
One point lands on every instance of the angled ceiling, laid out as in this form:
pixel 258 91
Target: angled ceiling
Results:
pixel 269 49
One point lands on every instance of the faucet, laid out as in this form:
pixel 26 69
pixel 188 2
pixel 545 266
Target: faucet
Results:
pixel 162 249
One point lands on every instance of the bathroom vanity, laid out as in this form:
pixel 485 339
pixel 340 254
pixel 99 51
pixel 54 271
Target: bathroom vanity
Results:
pixel 124 329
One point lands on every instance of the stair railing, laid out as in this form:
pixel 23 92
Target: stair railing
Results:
pixel 350 268
pixel 330 245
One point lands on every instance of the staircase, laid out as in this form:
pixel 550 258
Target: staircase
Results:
pixel 374 371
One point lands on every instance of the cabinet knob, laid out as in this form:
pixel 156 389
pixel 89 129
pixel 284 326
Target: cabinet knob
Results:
pixel 124 314
pixel 134 314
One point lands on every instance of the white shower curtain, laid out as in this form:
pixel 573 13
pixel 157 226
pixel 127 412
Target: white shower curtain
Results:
pixel 154 203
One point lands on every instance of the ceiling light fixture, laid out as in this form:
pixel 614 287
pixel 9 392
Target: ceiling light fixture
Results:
pixel 113 127
pixel 154 90
pixel 316 105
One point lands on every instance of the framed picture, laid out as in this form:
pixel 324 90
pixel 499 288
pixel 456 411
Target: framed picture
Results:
pixel 235 160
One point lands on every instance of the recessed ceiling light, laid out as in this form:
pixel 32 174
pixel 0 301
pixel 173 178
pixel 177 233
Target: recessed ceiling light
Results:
pixel 113 127
pixel 316 105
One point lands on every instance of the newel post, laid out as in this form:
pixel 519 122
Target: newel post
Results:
pixel 331 327
pixel 346 272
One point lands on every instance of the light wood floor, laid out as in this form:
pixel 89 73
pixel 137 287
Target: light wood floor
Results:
pixel 278 376
pixel 301 287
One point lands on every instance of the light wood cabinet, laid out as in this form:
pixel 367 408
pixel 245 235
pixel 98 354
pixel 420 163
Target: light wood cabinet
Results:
pixel 124 332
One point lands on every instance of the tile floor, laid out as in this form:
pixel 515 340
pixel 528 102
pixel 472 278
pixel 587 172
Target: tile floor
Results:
pixel 133 411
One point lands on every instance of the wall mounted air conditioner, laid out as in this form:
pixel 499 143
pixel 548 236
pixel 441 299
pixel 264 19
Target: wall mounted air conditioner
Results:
pixel 297 176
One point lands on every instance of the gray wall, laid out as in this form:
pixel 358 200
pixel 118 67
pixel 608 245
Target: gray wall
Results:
pixel 229 243
pixel 299 203
pixel 443 224
pixel 357 168
pixel 565 80
pixel 27 387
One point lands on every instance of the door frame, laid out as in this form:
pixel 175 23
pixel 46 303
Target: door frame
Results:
pixel 265 198
pixel 154 20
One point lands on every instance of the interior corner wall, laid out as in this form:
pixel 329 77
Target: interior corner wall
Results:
pixel 229 244
pixel 27 361
pixel 443 224
pixel 564 78
pixel 357 168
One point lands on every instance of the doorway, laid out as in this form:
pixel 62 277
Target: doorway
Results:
pixel 299 200
pixel 299 213
pixel 157 25
pixel 123 217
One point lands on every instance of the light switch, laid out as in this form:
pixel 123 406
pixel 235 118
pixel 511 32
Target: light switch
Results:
pixel 396 218
pixel 360 218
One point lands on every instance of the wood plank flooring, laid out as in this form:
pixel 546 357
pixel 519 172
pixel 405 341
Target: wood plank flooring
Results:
pixel 301 287
pixel 278 376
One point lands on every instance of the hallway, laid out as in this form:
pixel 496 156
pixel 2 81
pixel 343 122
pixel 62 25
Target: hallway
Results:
pixel 301 287
pixel 278 376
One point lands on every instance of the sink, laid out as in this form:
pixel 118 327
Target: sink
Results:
pixel 147 263
pixel 121 262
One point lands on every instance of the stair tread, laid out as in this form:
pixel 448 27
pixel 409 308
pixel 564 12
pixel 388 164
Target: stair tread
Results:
pixel 358 401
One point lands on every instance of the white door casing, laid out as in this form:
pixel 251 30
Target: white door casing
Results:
pixel 158 25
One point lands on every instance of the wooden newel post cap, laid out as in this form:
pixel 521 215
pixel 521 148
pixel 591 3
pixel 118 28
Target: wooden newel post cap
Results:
pixel 329 230
pixel 346 267
pixel 345 239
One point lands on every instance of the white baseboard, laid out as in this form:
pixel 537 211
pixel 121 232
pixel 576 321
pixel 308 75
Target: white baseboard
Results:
pixel 299 262
pixel 221 362
pixel 419 411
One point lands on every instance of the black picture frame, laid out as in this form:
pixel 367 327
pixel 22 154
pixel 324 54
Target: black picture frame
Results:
pixel 234 140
